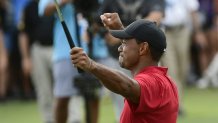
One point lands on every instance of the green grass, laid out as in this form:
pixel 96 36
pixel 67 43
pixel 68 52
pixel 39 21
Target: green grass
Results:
pixel 19 112
pixel 201 106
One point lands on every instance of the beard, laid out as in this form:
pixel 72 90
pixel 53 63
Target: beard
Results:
pixel 128 64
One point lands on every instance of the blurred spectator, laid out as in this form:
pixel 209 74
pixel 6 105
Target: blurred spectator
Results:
pixel 19 85
pixel 203 52
pixel 3 56
pixel 210 76
pixel 209 9
pixel 3 66
pixel 35 41
pixel 178 32
pixel 128 10
pixel 63 70
pixel 4 49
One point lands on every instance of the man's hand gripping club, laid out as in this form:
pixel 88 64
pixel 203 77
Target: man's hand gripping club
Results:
pixel 80 59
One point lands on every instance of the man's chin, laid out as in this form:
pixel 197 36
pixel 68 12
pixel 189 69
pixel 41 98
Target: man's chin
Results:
pixel 120 59
pixel 121 65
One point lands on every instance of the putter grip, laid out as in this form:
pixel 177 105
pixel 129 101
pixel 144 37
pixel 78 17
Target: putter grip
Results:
pixel 70 40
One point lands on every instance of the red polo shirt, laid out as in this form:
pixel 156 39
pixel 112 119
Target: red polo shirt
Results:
pixel 158 99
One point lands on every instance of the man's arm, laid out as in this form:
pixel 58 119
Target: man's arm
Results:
pixel 111 21
pixel 3 53
pixel 110 78
pixel 24 42
pixel 117 82
pixel 25 53
pixel 1 42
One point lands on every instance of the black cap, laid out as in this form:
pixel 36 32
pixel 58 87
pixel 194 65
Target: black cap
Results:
pixel 144 31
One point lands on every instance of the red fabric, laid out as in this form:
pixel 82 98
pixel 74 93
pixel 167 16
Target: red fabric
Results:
pixel 158 100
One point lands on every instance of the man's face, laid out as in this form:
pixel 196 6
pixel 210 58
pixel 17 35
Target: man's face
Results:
pixel 129 53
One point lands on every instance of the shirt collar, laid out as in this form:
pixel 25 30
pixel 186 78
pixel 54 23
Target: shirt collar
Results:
pixel 153 69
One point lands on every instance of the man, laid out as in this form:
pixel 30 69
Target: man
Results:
pixel 210 75
pixel 63 70
pixel 151 97
pixel 178 15
pixel 128 10
pixel 3 54
pixel 3 67
pixel 208 71
pixel 36 52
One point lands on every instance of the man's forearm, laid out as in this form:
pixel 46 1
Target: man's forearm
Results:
pixel 1 42
pixel 24 45
pixel 116 81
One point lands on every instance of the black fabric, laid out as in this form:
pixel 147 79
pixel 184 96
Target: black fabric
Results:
pixel 86 7
pixel 144 31
pixel 39 29
pixel 2 17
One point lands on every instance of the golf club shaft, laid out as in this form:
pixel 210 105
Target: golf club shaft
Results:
pixel 67 33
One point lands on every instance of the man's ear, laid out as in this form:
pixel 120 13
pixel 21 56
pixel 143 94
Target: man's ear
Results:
pixel 144 48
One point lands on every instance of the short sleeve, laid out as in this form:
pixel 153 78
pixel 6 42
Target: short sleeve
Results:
pixel 150 94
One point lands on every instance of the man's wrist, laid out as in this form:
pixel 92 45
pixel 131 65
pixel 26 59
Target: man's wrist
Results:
pixel 92 65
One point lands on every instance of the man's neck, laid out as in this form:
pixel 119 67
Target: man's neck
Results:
pixel 142 65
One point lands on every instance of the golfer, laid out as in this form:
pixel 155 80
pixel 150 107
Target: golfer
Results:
pixel 151 96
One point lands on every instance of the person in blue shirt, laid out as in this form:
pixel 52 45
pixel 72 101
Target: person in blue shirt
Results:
pixel 63 70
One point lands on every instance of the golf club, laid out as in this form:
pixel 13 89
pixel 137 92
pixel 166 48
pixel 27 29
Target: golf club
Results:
pixel 69 38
